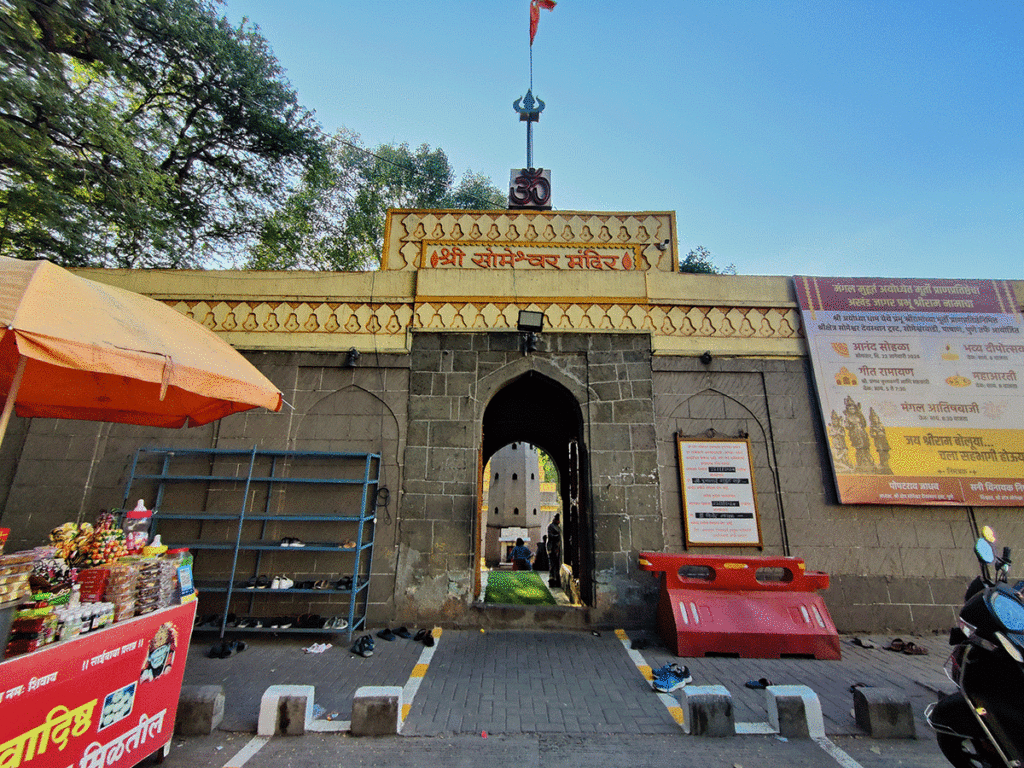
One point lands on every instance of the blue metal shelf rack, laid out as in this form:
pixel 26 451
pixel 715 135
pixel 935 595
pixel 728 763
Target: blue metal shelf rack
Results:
pixel 365 465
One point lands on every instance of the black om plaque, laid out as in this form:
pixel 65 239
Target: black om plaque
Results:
pixel 530 188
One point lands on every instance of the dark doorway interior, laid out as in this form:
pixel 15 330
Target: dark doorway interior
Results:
pixel 538 410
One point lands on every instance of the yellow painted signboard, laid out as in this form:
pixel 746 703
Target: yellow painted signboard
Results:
pixel 921 387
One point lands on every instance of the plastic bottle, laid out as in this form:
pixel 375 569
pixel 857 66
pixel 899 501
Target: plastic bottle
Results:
pixel 136 527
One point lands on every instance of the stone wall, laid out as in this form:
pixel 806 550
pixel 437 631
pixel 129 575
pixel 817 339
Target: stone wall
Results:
pixel 891 568
pixel 60 470
pixel 453 378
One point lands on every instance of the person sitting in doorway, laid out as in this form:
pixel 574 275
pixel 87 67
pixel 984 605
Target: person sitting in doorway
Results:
pixel 520 556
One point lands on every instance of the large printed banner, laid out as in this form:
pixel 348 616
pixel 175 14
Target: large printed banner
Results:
pixel 104 699
pixel 920 386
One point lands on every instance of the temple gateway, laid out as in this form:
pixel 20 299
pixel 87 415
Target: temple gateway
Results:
pixel 571 332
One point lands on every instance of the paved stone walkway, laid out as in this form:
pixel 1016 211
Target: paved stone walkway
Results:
pixel 547 682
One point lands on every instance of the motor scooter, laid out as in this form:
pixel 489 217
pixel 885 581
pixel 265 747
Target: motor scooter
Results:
pixel 982 724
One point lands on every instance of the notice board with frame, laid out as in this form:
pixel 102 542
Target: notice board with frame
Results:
pixel 719 495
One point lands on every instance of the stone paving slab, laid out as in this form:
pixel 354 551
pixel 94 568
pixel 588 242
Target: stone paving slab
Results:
pixel 557 682
pixel 280 660
pixel 920 677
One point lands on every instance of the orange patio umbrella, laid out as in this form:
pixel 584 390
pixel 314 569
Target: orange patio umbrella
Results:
pixel 72 348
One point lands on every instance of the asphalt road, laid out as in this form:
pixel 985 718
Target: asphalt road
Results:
pixel 221 750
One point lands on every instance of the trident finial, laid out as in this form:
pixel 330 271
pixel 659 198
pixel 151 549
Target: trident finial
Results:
pixel 529 110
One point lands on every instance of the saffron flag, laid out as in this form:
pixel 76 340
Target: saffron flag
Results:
pixel 535 6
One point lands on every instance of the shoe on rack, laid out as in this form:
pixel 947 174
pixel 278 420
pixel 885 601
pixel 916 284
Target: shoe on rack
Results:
pixel 276 583
pixel 672 680
pixel 286 583
pixel 297 543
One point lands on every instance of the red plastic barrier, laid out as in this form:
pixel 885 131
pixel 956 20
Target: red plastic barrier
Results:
pixel 753 607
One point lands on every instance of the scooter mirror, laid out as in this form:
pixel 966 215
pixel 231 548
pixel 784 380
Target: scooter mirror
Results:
pixel 984 551
pixel 988 534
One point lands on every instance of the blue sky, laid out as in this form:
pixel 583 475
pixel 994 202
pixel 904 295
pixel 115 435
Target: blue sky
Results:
pixel 790 137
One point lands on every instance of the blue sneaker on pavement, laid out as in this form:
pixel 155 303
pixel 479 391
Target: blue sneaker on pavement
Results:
pixel 672 679
pixel 670 667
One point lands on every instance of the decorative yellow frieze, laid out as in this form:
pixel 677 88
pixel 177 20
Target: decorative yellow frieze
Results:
pixel 278 324
pixel 464 271
pixel 413 237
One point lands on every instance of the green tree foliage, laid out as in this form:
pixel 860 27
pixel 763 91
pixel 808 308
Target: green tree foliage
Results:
pixel 335 219
pixel 549 473
pixel 698 261
pixel 140 132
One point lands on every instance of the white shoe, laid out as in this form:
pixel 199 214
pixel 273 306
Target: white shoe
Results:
pixel 286 583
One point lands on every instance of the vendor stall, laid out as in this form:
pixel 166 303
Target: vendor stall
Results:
pixel 106 698
pixel 100 618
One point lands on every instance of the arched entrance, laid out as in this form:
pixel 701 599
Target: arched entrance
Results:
pixel 538 410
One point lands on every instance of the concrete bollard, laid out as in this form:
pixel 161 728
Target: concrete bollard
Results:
pixel 884 713
pixel 708 711
pixel 376 710
pixel 794 711
pixel 200 710
pixel 285 710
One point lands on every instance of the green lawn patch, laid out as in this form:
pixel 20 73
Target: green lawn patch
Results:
pixel 517 588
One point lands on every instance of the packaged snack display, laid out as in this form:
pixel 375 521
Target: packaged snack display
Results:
pixel 15 569
pixel 93 583
pixel 147 587
pixel 121 588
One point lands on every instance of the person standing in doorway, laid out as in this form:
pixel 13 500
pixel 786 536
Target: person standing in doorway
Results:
pixel 540 562
pixel 554 553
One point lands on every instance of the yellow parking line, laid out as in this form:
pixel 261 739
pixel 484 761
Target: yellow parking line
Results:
pixel 418 673
pixel 674 710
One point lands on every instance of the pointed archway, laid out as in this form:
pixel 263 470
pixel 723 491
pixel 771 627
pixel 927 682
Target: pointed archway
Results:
pixel 538 410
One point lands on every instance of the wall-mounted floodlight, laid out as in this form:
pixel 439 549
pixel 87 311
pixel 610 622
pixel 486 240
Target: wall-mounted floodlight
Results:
pixel 530 324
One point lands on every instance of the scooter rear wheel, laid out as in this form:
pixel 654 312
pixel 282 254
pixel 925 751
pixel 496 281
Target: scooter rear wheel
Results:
pixel 967 753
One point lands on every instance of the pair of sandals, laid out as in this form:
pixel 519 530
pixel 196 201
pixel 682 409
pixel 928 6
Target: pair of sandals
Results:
pixel 225 649
pixel 425 636
pixel 390 635
pixel 363 646
pixel 909 648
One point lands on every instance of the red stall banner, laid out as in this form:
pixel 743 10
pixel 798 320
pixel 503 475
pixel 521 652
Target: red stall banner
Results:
pixel 921 388
pixel 107 698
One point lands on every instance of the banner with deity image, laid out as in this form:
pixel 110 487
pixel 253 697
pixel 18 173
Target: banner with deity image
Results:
pixel 920 387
